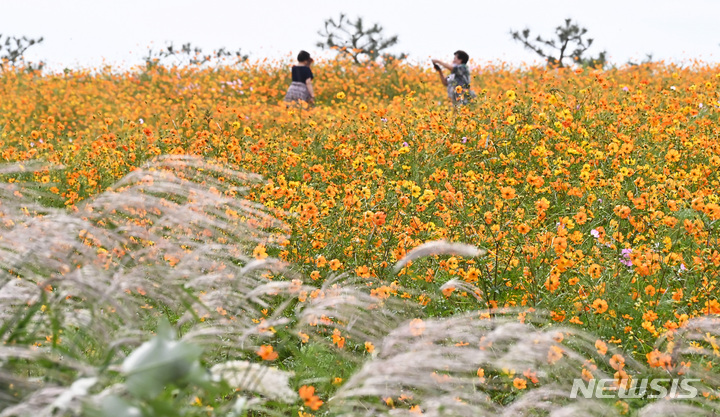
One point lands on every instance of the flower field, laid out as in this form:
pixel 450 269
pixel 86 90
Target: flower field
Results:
pixel 593 193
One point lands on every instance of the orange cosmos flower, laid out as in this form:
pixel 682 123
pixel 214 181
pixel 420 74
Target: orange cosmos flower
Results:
pixel 698 204
pixel 595 271
pixel 601 347
pixel 713 211
pixel 622 211
pixel 650 316
pixel 379 218
pixel 650 290
pixel 448 291
pixel 600 306
pixel 417 327
pixel 523 228
pixel 508 193
pixel 267 353
pixel 712 307
pixel 617 362
pixel 259 252
pixel 560 245
pixel 672 156
pixel 554 354
pixel 558 316
pixel 670 221
pixel 338 339
pixel 335 264
pixel 552 282
pixel 580 217
pixel 657 359
pixel 472 275
pixel 532 376
pixel 542 204
pixel 535 180
pixel 307 394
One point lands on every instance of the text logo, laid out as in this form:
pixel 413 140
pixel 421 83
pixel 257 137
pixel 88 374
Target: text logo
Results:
pixel 637 388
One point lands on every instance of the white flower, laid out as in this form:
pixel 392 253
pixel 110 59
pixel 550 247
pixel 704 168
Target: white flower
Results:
pixel 595 233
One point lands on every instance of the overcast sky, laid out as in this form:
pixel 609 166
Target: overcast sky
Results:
pixel 92 32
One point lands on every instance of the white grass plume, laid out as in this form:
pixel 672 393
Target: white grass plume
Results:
pixel 439 247
pixel 433 363
pixel 269 382
pixel 175 235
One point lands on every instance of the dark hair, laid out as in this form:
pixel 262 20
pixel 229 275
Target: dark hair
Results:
pixel 304 56
pixel 462 56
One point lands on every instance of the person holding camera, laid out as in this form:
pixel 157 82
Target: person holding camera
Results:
pixel 301 88
pixel 458 81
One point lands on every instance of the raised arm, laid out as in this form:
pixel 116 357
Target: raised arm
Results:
pixel 442 77
pixel 442 64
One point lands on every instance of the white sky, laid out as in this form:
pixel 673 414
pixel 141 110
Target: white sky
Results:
pixel 92 32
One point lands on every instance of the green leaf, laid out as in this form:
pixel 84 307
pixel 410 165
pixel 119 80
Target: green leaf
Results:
pixel 162 361
pixel 113 406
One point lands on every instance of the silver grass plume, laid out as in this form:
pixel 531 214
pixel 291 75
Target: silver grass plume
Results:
pixel 435 364
pixel 439 247
pixel 174 235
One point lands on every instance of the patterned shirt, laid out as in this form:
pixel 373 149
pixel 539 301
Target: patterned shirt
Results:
pixel 459 77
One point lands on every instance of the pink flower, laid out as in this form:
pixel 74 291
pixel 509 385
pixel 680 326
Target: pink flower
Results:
pixel 626 257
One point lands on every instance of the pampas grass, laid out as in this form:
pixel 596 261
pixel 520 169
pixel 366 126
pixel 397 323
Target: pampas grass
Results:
pixel 171 236
pixel 82 293
pixel 439 247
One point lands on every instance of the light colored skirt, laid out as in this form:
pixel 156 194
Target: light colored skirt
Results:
pixel 298 91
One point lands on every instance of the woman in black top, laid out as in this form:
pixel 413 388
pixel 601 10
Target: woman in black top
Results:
pixel 301 87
